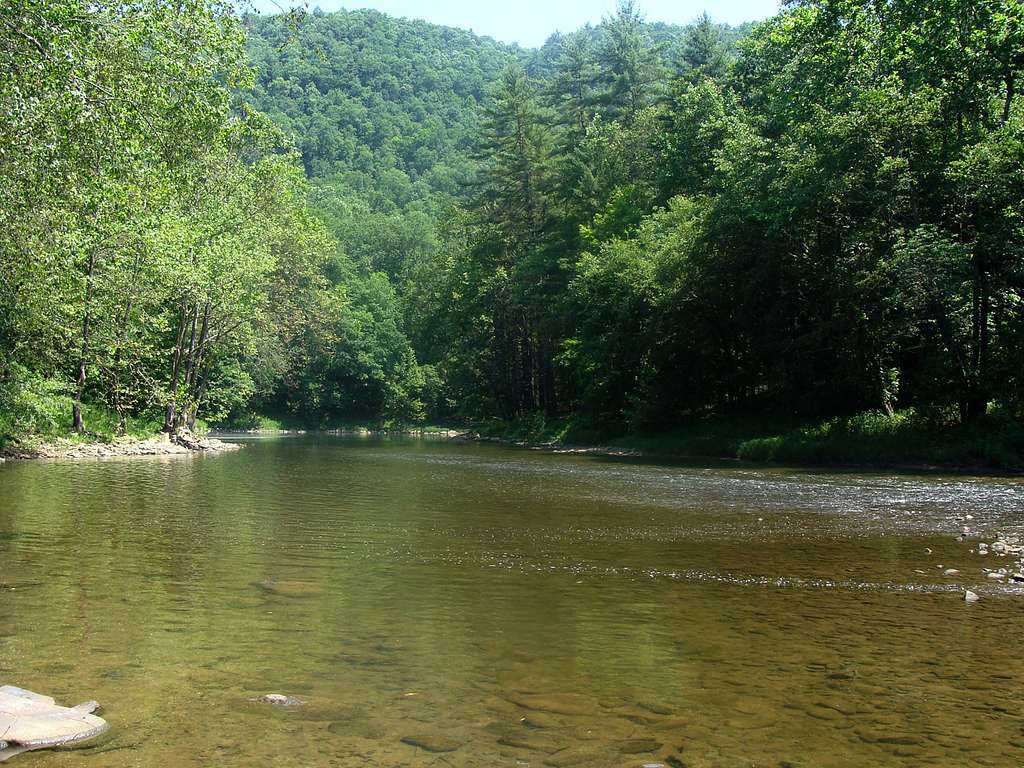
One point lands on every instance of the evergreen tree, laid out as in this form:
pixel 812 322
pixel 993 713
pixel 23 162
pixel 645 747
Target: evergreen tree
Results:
pixel 704 50
pixel 631 68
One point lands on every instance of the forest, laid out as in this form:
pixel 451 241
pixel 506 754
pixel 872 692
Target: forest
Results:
pixel 332 218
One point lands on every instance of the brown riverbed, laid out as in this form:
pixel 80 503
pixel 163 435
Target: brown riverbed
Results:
pixel 437 603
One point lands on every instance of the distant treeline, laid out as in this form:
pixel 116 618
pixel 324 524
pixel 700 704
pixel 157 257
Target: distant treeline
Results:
pixel 349 216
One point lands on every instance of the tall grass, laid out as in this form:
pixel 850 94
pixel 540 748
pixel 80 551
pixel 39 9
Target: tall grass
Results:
pixel 871 438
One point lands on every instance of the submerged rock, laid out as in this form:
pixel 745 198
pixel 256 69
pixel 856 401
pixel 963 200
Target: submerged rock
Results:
pixel 296 589
pixel 655 707
pixel 30 721
pixel 576 756
pixel 637 746
pixel 541 720
pixel 556 703
pixel 435 743
pixel 531 741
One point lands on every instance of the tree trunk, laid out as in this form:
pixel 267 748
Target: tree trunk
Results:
pixel 172 405
pixel 1010 93
pixel 977 403
pixel 76 410
pixel 197 350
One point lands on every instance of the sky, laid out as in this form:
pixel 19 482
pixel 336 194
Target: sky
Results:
pixel 530 22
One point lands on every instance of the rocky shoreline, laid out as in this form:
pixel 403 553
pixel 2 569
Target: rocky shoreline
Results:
pixel 158 445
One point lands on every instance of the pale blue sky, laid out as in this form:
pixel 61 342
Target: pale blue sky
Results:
pixel 530 22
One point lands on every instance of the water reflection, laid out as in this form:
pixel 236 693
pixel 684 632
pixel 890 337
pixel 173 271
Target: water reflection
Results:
pixel 444 604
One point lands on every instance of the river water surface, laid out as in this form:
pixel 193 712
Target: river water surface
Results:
pixel 444 604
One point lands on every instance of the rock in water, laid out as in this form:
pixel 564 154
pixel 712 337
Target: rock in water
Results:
pixel 556 703
pixel 637 746
pixel 971 597
pixel 432 742
pixel 30 721
pixel 297 589
pixel 279 700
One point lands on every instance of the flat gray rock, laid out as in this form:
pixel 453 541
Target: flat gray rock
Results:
pixel 31 721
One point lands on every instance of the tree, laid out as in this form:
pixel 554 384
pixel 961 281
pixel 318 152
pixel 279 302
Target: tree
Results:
pixel 571 91
pixel 704 50
pixel 631 69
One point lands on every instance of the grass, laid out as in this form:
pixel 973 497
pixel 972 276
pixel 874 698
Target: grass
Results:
pixel 50 421
pixel 867 439
pixel 995 442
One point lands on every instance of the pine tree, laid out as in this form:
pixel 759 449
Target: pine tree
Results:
pixel 704 51
pixel 631 70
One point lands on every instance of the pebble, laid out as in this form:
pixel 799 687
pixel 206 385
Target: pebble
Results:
pixel 996 575
pixel 951 572
pixel 970 597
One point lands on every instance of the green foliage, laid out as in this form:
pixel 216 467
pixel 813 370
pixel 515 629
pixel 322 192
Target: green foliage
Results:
pixel 30 404
pixel 156 228
pixel 824 221
pixel 397 121
pixel 633 227
pixel 366 94
pixel 630 64
pixel 903 437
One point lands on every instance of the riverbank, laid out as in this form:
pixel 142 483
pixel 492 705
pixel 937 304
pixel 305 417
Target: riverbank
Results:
pixel 443 432
pixel 899 441
pixel 78 448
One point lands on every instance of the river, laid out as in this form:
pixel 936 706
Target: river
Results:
pixel 436 603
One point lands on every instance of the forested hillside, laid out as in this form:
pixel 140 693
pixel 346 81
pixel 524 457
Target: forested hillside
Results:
pixel 388 115
pixel 329 217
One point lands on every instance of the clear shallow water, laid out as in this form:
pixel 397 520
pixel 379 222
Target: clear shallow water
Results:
pixel 441 593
